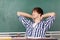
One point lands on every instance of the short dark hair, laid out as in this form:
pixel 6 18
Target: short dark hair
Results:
pixel 39 10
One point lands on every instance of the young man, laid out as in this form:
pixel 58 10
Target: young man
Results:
pixel 37 27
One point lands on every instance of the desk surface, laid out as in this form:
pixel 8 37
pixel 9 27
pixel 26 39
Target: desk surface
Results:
pixel 25 38
pixel 32 38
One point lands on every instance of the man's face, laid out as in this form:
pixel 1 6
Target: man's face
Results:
pixel 35 14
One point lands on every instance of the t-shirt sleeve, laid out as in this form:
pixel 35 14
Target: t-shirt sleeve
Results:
pixel 24 21
pixel 49 21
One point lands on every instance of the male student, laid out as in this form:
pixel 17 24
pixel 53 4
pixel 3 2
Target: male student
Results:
pixel 37 27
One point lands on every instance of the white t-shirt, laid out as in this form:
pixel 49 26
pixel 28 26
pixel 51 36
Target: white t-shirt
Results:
pixel 34 24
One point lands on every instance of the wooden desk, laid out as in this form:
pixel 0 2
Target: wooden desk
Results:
pixel 5 38
pixel 24 38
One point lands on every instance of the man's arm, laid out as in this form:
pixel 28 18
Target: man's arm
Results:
pixel 24 14
pixel 48 14
pixel 49 20
pixel 22 18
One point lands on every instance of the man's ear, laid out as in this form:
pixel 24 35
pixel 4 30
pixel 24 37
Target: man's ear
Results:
pixel 40 15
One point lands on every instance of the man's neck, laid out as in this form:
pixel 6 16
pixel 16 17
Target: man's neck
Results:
pixel 37 20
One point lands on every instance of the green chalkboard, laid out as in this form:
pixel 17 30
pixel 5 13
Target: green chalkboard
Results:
pixel 8 9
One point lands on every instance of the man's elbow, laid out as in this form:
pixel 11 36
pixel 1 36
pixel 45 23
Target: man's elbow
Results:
pixel 18 13
pixel 53 14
